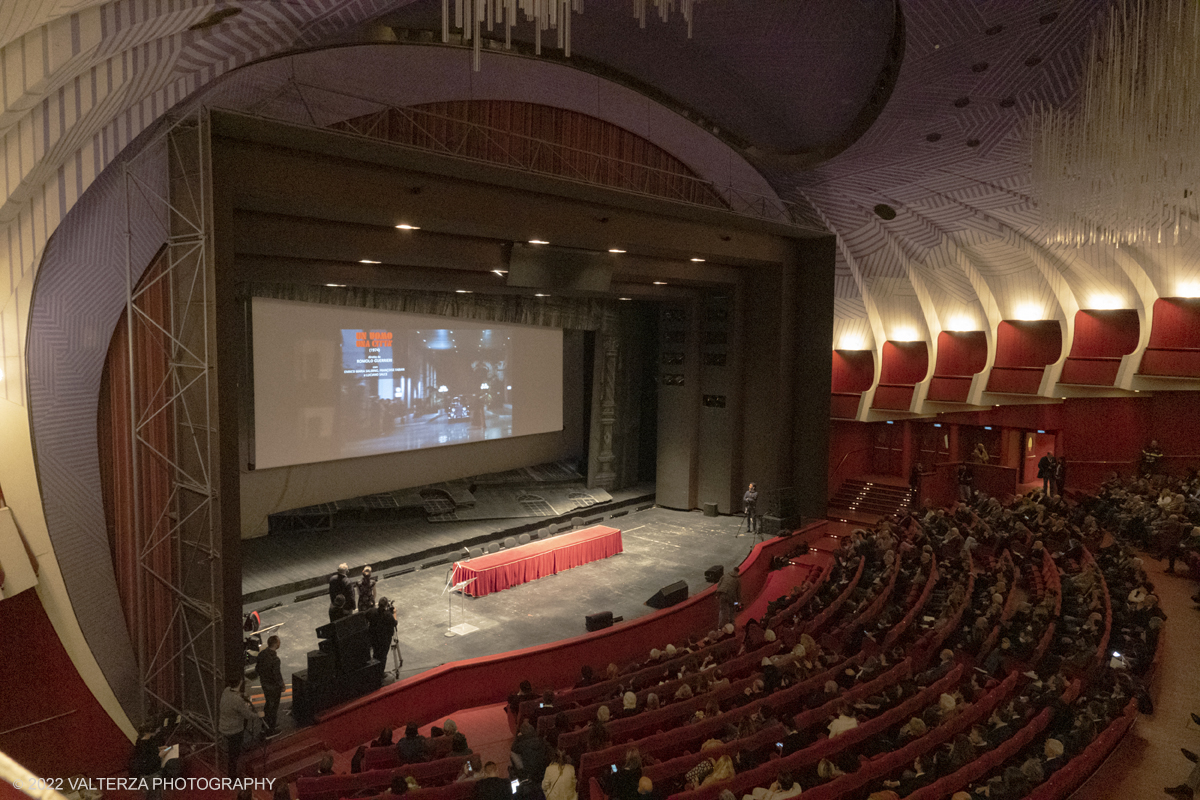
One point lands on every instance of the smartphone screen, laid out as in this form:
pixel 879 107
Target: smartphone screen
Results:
pixel 614 767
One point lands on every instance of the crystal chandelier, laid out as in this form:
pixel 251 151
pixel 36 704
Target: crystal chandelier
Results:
pixel 471 16
pixel 1123 167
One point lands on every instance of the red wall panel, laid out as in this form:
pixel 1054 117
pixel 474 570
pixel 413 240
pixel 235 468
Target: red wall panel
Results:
pixel 1091 371
pixel 844 405
pixel 904 362
pixel 1105 334
pixel 1015 380
pixel 850 445
pixel 950 388
pixel 1021 343
pixel 1176 322
pixel 1171 363
pixel 961 352
pixel 895 398
pixel 853 370
pixel 57 728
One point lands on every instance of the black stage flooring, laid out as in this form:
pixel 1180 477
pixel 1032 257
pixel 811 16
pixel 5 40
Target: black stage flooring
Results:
pixel 661 546
pixel 282 565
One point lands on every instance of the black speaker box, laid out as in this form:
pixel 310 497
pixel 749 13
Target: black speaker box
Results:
pixel 669 595
pixel 771 526
pixel 322 667
pixel 714 573
pixel 353 653
pixel 300 696
pixel 344 628
pixel 597 622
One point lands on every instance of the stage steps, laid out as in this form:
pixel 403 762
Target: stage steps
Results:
pixel 867 501
pixel 286 759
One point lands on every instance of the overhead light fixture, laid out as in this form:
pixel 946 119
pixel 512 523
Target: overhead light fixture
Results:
pixel 500 271
pixel 624 298
pixel 851 341
pixel 404 226
pixel 538 241
pixel 905 334
pixel 615 250
pixel 697 259
pixel 660 283
pixel 545 15
pixel 463 291
pixel 1029 312
pixel 368 261
pixel 1106 302
pixel 336 285
pixel 961 324
pixel 539 294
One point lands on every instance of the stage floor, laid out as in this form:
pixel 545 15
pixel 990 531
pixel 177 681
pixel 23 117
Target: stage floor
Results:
pixel 281 565
pixel 661 546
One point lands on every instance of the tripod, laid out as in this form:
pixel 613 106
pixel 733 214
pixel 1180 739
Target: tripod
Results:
pixel 399 658
pixel 750 521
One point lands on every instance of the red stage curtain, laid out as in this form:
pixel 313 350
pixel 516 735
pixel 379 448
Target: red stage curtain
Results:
pixel 516 134
pixel 153 482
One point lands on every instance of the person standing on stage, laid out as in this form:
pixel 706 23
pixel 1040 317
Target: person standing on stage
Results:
pixel 381 622
pixel 749 507
pixel 729 595
pixel 366 590
pixel 270 677
pixel 339 584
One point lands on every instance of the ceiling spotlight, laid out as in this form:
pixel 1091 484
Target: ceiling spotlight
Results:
pixel 368 261
pixel 624 298
pixel 615 250
pixel 538 241
pixel 404 226
pixel 660 283
pixel 337 285
pixel 500 271
pixel 539 294
pixel 463 291
pixel 697 259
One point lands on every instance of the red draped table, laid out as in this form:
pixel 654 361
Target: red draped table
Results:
pixel 497 571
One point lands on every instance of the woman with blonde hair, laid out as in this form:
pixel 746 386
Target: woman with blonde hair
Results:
pixel 559 781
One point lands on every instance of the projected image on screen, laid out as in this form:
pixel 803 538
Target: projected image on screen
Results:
pixel 422 388
pixel 335 382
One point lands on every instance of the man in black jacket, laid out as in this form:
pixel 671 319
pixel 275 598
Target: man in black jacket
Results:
pixel 270 677
pixel 339 584
pixel 381 622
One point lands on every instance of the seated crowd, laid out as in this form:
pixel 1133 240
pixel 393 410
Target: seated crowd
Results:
pixel 973 647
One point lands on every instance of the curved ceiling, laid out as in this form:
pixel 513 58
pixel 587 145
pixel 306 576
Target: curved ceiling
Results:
pixel 786 77
pixel 932 206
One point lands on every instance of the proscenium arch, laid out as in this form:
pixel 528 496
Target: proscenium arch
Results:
pixel 80 292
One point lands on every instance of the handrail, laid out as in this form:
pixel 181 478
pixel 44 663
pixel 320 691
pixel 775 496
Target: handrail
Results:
pixel 843 461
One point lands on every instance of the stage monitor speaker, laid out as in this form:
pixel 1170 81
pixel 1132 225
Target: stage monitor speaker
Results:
pixel 669 595
pixel 353 653
pixel 322 667
pixel 771 526
pixel 597 622
pixel 344 628
pixel 710 509
pixel 714 573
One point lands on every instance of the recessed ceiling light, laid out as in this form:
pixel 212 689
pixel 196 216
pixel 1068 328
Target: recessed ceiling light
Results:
pixel 404 226
pixel 538 241
pixel 615 250
pixel 539 294
pixel 697 259
pixel 463 291
pixel 368 261
pixel 660 283
pixel 337 285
